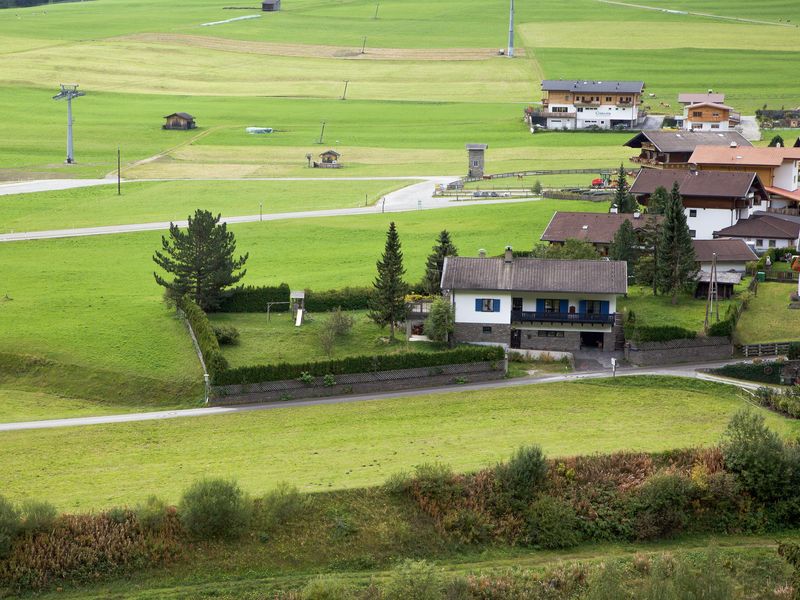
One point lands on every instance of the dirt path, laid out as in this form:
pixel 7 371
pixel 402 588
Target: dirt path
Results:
pixel 313 51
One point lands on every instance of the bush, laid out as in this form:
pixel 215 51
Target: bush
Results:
pixel 226 335
pixel 415 580
pixel 783 401
pixel 341 323
pixel 722 328
pixel 326 587
pixel 436 481
pixel 663 506
pixel 467 526
pixel 398 484
pixel 10 525
pixel 38 516
pixel 280 506
pixel 552 524
pixel 705 579
pixel 360 364
pixel 215 508
pixel 441 319
pixel 522 477
pixel 204 332
pixel 756 455
pixel 763 372
pixel 662 333
pixel 349 298
pixel 794 351
pixel 256 299
pixel 152 514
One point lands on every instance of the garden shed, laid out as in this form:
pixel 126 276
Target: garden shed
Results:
pixel 179 120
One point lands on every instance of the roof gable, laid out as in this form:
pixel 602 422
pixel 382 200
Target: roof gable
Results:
pixel 687 141
pixel 717 184
pixel 732 250
pixel 596 228
pixel 695 98
pixel 535 275
pixel 762 226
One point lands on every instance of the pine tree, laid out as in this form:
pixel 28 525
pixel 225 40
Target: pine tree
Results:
pixel 675 267
pixel 622 197
pixel 776 140
pixel 388 305
pixel 431 282
pixel 623 247
pixel 658 201
pixel 201 259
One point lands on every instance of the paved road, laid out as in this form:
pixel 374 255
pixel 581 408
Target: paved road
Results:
pixel 688 371
pixel 418 196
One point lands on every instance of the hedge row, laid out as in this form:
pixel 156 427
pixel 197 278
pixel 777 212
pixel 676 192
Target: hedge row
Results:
pixel 765 372
pixel 662 333
pixel 359 364
pixel 204 332
pixel 256 299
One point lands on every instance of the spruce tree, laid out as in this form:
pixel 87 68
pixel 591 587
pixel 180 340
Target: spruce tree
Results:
pixel 623 247
pixel 201 260
pixel 658 201
pixel 388 304
pixel 776 140
pixel 431 282
pixel 675 267
pixel 622 197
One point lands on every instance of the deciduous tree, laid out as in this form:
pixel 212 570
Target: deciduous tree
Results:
pixel 570 249
pixel 201 260
pixel 388 305
pixel 440 321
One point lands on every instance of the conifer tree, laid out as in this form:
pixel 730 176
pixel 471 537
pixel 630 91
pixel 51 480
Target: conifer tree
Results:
pixel 622 197
pixel 776 140
pixel 201 260
pixel 675 266
pixel 431 282
pixel 623 246
pixel 387 304
pixel 658 201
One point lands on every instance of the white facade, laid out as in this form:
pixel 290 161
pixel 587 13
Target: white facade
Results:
pixel 759 245
pixel 786 176
pixel 690 125
pixel 703 222
pixel 724 266
pixel 584 117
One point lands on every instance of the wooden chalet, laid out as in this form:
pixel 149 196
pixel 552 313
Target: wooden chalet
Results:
pixel 179 120
pixel 328 160
pixel 673 149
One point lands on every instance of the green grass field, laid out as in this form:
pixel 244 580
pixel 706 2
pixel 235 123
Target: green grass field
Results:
pixel 108 316
pixel 174 201
pixel 277 340
pixel 358 444
pixel 768 318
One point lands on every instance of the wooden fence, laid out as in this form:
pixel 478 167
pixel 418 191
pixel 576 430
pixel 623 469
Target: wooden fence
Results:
pixel 774 349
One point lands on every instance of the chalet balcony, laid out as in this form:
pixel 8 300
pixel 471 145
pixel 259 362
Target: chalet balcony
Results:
pixel 643 160
pixel 551 115
pixel 587 103
pixel 524 316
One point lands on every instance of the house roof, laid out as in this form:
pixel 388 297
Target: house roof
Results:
pixel 762 225
pixel 477 146
pixel 624 87
pixel 729 278
pixel 535 275
pixel 687 141
pixel 761 157
pixel 727 250
pixel 596 228
pixel 330 152
pixel 711 104
pixel 795 195
pixel 718 184
pixel 695 98
pixel 182 115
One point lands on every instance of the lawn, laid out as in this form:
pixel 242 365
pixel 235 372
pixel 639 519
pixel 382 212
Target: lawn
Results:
pixel 359 444
pixel 768 318
pixel 277 340
pixel 108 317
pixel 175 200
pixel 20 405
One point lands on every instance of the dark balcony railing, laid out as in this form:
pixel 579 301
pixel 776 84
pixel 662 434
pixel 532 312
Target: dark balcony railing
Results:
pixel 524 316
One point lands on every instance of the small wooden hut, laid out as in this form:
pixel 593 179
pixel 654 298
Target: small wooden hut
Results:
pixel 271 5
pixel 329 160
pixel 179 120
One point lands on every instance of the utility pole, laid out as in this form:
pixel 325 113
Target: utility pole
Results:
pixel 119 173
pixel 321 133
pixel 68 92
pixel 377 6
pixel 364 45
pixel 712 302
pixel 344 94
pixel 511 32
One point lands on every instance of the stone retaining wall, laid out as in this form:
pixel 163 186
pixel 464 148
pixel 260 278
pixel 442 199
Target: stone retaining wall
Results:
pixel 357 383
pixel 678 351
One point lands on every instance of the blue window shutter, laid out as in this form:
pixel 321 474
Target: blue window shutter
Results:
pixel 478 305
pixel 582 307
pixel 496 305
pixel 604 305
pixel 563 306
pixel 540 305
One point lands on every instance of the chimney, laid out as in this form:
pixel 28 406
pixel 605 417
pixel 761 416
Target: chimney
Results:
pixel 613 209
pixel 734 145
pixel 693 168
pixel 509 255
pixel 481 253
pixel 636 214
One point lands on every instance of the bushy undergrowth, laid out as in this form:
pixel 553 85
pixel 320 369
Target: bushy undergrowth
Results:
pixel 786 402
pixel 215 509
pixel 226 335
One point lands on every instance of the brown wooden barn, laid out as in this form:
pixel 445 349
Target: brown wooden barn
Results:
pixel 329 160
pixel 179 120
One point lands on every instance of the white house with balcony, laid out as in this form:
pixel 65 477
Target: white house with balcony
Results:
pixel 536 304
pixel 568 104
